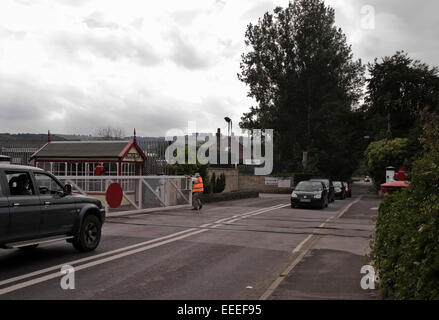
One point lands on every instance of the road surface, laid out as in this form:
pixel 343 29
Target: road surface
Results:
pixel 246 249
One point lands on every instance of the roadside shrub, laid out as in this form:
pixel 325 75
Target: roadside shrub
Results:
pixel 218 184
pixel 213 182
pixel 405 248
pixel 221 183
pixel 383 153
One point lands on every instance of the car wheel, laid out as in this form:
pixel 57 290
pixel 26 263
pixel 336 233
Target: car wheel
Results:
pixel 29 248
pixel 89 235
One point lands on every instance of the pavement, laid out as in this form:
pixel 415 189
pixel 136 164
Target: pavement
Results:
pixel 244 249
pixel 330 269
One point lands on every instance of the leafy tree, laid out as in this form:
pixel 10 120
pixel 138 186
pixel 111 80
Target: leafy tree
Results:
pixel 384 153
pixel 398 89
pixel 301 72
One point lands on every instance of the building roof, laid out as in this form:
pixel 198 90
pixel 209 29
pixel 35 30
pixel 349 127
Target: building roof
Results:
pixel 85 149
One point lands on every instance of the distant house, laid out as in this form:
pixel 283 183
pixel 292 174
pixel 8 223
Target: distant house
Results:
pixel 80 158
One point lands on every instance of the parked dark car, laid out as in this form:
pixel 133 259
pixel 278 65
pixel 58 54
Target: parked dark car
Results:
pixel 339 190
pixel 310 194
pixel 36 208
pixel 329 186
pixel 348 189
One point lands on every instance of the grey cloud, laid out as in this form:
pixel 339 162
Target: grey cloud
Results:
pixel 411 26
pixel 185 17
pixel 95 23
pixel 7 33
pixel 258 10
pixel 21 100
pixel 185 54
pixel 25 106
pixel 71 3
pixel 229 48
pixel 111 47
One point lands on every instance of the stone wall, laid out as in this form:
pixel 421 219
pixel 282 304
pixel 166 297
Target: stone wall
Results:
pixel 231 177
pixel 242 182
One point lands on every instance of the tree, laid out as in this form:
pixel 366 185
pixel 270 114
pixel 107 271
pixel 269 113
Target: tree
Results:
pixel 301 73
pixel 397 90
pixel 384 153
pixel 110 133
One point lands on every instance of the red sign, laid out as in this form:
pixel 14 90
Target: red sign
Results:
pixel 114 195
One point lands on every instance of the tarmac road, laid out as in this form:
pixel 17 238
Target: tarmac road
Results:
pixel 244 249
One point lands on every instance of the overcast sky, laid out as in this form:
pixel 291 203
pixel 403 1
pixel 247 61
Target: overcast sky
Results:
pixel 72 66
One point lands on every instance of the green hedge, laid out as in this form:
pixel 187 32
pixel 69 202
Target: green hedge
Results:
pixel 405 248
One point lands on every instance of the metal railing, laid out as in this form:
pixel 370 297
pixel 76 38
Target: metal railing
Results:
pixel 140 193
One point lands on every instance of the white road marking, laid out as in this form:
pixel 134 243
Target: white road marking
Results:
pixel 310 238
pixel 57 267
pixel 296 249
pixel 155 243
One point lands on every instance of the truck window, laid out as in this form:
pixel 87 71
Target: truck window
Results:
pixel 46 184
pixel 20 183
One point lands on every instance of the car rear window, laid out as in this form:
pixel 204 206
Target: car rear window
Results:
pixel 309 186
pixel 326 182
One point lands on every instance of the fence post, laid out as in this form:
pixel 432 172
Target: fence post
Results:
pixel 140 190
pixel 107 209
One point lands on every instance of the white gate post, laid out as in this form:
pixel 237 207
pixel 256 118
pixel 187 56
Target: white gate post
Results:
pixel 140 191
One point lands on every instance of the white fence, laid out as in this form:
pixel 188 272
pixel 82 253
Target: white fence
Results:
pixel 140 193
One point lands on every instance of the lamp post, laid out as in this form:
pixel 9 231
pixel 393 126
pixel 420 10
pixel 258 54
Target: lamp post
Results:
pixel 229 127
pixel 229 124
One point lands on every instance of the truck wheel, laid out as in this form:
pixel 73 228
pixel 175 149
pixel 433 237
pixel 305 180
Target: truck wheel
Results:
pixel 28 248
pixel 89 235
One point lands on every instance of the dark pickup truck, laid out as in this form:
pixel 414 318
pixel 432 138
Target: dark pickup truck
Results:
pixel 36 208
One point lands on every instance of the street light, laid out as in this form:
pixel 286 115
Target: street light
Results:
pixel 229 127
pixel 229 124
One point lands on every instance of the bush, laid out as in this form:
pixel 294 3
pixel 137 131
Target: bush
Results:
pixel 384 153
pixel 213 182
pixel 221 183
pixel 405 248
pixel 218 184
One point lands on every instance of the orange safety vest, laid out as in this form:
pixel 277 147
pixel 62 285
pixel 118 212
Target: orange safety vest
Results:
pixel 198 186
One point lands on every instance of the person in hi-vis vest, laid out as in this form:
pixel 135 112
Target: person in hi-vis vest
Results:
pixel 197 189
